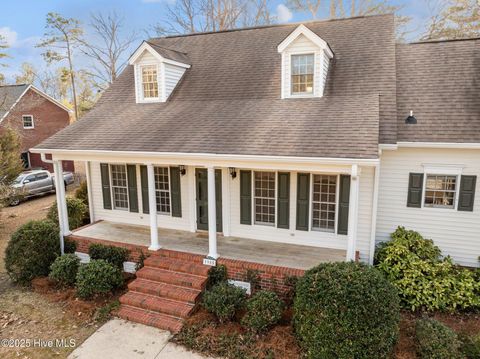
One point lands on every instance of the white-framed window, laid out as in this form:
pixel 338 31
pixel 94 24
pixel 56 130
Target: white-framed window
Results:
pixel 264 184
pixel 302 74
pixel 27 121
pixel 324 202
pixel 440 191
pixel 162 189
pixel 149 77
pixel 118 174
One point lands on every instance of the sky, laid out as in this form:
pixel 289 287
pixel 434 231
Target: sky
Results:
pixel 22 22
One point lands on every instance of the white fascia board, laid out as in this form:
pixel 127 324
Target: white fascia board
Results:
pixel 309 34
pixel 146 47
pixel 444 145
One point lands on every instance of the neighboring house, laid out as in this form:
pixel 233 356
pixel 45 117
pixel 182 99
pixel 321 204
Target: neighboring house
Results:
pixel 35 116
pixel 326 134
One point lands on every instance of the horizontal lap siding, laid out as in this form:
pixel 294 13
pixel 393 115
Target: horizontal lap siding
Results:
pixel 457 233
pixel 173 74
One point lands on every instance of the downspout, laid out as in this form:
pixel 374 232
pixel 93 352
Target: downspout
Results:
pixel 43 157
pixel 373 230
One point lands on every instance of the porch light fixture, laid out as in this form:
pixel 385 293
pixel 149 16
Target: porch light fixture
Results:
pixel 411 120
pixel 233 172
pixel 183 171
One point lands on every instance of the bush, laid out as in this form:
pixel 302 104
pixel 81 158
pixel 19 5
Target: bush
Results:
pixel 32 249
pixel 216 275
pixel 346 310
pixel 97 277
pixel 264 309
pixel 77 210
pixel 81 192
pixel 64 269
pixel 224 300
pixel 111 254
pixel 424 279
pixel 435 340
pixel 471 346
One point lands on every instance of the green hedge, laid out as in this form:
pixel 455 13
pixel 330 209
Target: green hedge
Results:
pixel 424 279
pixel 224 300
pixel 97 277
pixel 264 309
pixel 436 341
pixel 216 275
pixel 76 209
pixel 111 254
pixel 64 269
pixel 346 310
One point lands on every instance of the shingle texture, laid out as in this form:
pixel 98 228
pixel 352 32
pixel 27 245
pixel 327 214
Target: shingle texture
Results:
pixel 228 102
pixel 440 83
pixel 171 54
pixel 8 96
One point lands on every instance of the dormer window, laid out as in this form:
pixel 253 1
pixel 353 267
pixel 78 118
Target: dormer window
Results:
pixel 150 82
pixel 302 74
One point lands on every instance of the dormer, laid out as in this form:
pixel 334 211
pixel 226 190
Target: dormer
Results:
pixel 305 62
pixel 157 71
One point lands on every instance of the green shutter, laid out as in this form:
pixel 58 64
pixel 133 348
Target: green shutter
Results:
pixel 132 188
pixel 107 196
pixel 144 183
pixel 175 192
pixel 303 200
pixel 415 190
pixel 343 204
pixel 283 216
pixel 467 193
pixel 245 197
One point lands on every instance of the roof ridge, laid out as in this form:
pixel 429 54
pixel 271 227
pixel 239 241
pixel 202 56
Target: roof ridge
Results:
pixel 426 42
pixel 259 27
pixel 163 47
pixel 13 85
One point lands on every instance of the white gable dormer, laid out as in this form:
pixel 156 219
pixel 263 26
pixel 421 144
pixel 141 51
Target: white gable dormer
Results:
pixel 305 62
pixel 157 72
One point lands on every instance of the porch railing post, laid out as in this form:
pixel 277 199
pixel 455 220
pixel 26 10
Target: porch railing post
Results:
pixel 212 214
pixel 152 206
pixel 353 213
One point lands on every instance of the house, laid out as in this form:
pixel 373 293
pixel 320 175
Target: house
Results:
pixel 35 116
pixel 275 148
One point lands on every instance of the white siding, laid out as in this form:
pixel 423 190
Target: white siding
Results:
pixel 146 59
pixel 173 74
pixel 456 233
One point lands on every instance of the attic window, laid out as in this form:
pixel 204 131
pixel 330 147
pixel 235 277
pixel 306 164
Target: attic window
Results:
pixel 150 82
pixel 302 74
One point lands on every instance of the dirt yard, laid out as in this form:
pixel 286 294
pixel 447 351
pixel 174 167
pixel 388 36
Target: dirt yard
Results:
pixel 25 314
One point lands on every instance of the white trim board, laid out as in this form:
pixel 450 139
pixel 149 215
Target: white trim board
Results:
pixel 445 145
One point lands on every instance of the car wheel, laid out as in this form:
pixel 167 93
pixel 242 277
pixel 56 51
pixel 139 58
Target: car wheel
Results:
pixel 14 202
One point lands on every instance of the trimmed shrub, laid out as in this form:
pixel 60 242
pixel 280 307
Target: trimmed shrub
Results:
pixel 69 246
pixel 216 275
pixel 264 309
pixel 435 340
pixel 224 300
pixel 81 192
pixel 64 269
pixel 111 254
pixel 346 310
pixel 31 250
pixel 97 277
pixel 423 278
pixel 471 346
pixel 77 210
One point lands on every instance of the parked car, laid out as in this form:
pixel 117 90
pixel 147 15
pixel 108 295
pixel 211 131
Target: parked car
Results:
pixel 34 183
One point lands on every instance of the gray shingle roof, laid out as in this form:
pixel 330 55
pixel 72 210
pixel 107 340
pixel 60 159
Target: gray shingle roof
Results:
pixel 440 82
pixel 170 54
pixel 229 100
pixel 9 94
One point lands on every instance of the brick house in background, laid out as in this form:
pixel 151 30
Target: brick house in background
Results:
pixel 35 116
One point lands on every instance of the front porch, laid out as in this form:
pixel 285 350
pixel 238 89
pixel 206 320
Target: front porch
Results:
pixel 231 248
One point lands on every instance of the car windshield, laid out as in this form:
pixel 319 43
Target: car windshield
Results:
pixel 19 179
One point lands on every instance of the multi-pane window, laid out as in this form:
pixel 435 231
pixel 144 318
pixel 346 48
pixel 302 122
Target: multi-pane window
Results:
pixel 264 198
pixel 324 202
pixel 119 186
pixel 440 191
pixel 149 81
pixel 27 121
pixel 302 74
pixel 162 189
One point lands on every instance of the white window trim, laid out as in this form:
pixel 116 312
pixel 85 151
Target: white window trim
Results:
pixel 274 224
pixel 29 127
pixel 111 187
pixel 169 214
pixel 139 75
pixel 442 170
pixel 337 203
pixel 302 94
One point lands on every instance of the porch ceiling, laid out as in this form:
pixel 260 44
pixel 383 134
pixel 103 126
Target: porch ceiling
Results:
pixel 272 253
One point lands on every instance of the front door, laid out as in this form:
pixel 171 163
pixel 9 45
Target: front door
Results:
pixel 201 181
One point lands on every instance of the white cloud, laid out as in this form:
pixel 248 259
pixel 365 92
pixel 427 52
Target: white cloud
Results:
pixel 9 35
pixel 283 13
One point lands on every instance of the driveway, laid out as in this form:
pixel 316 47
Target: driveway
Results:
pixel 122 339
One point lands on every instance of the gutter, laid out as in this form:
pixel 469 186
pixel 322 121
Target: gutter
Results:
pixel 441 145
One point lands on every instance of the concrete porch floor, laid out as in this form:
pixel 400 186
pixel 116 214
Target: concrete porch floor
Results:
pixel 257 251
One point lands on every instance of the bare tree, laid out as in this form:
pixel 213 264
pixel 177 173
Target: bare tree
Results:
pixel 3 54
pixel 311 6
pixel 108 48
pixel 62 37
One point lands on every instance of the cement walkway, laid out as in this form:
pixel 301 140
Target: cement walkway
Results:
pixel 121 339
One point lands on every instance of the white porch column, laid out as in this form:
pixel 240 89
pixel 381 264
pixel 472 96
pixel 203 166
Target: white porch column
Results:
pixel 152 207
pixel 61 203
pixel 353 213
pixel 212 214
pixel 89 190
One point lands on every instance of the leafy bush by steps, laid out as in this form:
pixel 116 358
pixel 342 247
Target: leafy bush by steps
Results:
pixel 64 269
pixel 76 209
pixel 224 300
pixel 97 277
pixel 264 310
pixel 111 254
pixel 436 341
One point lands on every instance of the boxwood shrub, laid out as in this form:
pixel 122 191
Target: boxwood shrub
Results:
pixel 216 275
pixel 224 300
pixel 471 346
pixel 76 209
pixel 423 278
pixel 111 254
pixel 264 309
pixel 346 310
pixel 64 269
pixel 97 277
pixel 31 250
pixel 435 340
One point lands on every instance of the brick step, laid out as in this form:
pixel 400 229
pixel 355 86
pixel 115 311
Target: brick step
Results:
pixel 176 265
pixel 175 278
pixel 154 319
pixel 157 304
pixel 165 290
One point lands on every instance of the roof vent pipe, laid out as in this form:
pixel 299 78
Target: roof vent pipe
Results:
pixel 411 120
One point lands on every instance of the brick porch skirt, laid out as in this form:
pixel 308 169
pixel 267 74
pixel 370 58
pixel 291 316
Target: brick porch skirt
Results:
pixel 261 276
